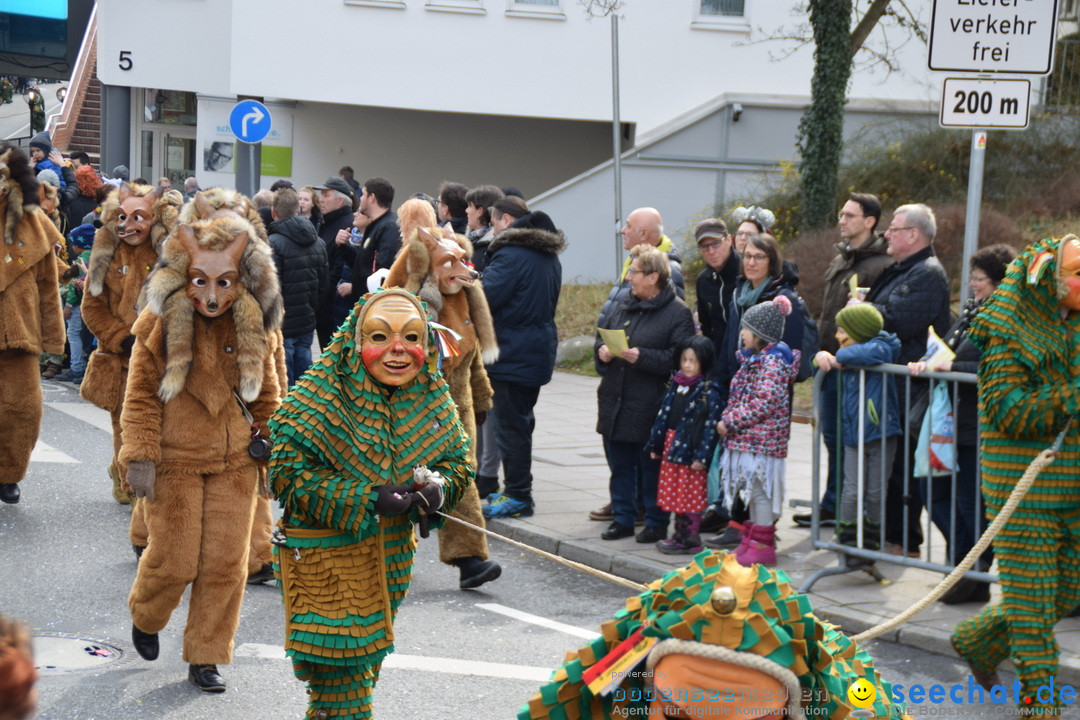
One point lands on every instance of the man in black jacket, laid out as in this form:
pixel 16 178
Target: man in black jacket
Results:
pixel 300 257
pixel 911 295
pixel 336 200
pixel 382 237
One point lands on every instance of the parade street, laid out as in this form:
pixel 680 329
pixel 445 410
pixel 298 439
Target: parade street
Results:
pixel 460 654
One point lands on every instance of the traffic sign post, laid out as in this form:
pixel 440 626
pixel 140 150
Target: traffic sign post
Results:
pixel 970 102
pixel 988 37
pixel 250 122
pixel 993 36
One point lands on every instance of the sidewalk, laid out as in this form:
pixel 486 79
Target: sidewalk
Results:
pixel 571 478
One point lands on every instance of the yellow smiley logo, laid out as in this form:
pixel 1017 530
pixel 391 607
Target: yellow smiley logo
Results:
pixel 861 694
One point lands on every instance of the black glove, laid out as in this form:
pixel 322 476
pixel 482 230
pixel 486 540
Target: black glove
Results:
pixel 393 499
pixel 481 417
pixel 427 499
pixel 141 475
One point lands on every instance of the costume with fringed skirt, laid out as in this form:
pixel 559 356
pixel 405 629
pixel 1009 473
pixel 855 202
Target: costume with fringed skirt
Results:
pixel 344 570
pixel 770 620
pixel 1028 389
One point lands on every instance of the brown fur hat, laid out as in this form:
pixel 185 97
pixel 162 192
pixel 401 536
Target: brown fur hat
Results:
pixel 206 203
pixel 18 185
pixel 258 309
pixel 412 271
pixel 165 210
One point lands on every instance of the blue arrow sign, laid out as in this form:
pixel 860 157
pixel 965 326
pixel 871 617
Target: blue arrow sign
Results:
pixel 250 121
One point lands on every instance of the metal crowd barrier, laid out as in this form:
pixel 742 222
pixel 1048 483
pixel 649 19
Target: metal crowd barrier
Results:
pixel 933 556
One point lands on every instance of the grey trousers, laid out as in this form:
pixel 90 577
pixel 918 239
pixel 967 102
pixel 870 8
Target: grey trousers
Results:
pixel 487 452
pixel 873 478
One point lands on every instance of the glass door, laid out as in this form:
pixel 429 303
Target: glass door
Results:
pixel 178 156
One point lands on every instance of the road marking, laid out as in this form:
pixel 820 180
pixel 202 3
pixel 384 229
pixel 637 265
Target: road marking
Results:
pixel 89 414
pixel 451 666
pixel 48 454
pixel 537 620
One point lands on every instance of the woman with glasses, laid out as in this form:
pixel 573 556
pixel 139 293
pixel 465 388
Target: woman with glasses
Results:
pixel 765 275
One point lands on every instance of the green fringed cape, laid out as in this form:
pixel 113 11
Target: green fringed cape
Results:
pixel 336 437
pixel 1028 383
pixel 772 620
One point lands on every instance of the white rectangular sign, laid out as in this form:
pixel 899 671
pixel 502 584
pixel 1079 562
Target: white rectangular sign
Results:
pixel 993 36
pixel 971 103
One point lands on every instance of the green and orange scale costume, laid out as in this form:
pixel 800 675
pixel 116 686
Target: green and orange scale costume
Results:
pixel 1029 387
pixel 343 569
pixel 768 620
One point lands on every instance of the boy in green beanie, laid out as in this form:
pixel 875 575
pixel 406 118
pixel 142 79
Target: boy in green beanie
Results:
pixel 863 344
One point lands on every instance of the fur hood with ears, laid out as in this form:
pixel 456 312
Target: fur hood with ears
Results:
pixel 165 209
pixel 207 203
pixel 412 271
pixel 257 312
pixel 19 185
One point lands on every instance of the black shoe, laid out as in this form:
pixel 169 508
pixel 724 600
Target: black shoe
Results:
pixel 486 485
pixel 615 531
pixel 712 520
pixel 827 518
pixel 262 575
pixel 475 572
pixel 965 591
pixel 731 537
pixel 146 644
pixel 10 493
pixel 651 534
pixel 138 549
pixel 206 678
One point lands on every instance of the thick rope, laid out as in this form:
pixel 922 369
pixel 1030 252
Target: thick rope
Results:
pixel 636 587
pixel 1041 461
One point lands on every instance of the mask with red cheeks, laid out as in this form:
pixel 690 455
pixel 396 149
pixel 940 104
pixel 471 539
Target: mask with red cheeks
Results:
pixel 1068 273
pixel 136 216
pixel 447 262
pixel 213 275
pixel 392 338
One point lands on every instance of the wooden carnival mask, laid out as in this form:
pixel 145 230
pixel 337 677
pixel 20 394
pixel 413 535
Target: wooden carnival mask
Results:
pixel 448 261
pixel 213 275
pixel 136 214
pixel 1068 272
pixel 392 339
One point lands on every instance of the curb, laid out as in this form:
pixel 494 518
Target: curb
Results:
pixel 850 621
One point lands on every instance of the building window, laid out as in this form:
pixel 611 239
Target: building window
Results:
pixel 547 9
pixel 472 7
pixel 722 7
pixel 729 15
pixel 393 4
pixel 1067 9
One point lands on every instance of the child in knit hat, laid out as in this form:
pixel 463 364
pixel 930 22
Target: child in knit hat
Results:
pixel 863 343
pixel 755 426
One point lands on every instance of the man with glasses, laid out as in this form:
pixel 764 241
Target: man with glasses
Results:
pixel 862 254
pixel 911 295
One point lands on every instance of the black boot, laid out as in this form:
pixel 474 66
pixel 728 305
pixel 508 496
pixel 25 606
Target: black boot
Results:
pixel 138 549
pixel 9 493
pixel 146 644
pixel 475 572
pixel 206 678
pixel 262 575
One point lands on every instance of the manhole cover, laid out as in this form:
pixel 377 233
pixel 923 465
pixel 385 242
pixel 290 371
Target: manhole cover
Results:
pixel 59 653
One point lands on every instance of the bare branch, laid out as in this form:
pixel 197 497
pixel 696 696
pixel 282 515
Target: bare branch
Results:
pixel 600 8
pixel 869 20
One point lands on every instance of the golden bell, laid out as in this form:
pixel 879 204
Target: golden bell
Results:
pixel 723 600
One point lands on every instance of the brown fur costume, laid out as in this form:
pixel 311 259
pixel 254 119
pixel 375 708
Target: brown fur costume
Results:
pixel 31 320
pixel 467 313
pixel 114 278
pixel 180 414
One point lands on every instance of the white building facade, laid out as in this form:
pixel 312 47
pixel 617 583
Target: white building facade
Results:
pixel 508 92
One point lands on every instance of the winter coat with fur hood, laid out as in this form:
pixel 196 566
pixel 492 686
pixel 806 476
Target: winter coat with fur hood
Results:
pixel 522 283
pixel 302 267
pixel 30 316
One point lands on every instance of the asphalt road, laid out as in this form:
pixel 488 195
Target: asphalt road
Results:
pixel 68 566
pixel 15 116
